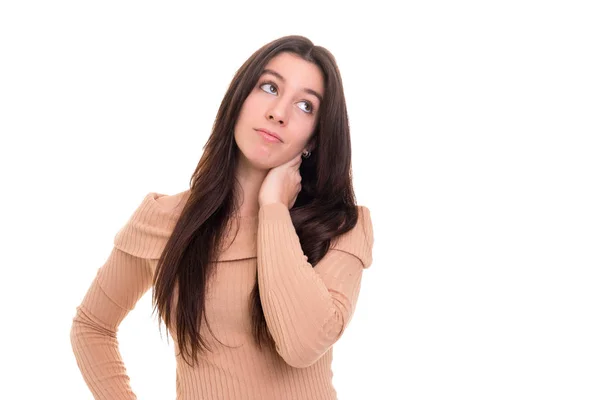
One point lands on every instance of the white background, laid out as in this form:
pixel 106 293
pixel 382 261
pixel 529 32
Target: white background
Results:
pixel 475 145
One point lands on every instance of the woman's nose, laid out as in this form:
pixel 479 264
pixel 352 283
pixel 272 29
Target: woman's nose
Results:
pixel 277 113
pixel 273 118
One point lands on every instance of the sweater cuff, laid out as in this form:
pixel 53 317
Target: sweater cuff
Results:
pixel 274 212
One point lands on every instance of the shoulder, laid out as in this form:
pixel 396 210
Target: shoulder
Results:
pixel 172 204
pixel 358 241
pixel 149 227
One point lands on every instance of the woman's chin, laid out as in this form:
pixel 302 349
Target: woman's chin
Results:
pixel 260 160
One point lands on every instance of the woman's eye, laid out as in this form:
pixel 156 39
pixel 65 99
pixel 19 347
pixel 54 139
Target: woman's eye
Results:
pixel 269 86
pixel 308 108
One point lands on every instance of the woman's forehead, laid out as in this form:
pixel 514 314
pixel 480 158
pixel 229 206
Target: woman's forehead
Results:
pixel 296 71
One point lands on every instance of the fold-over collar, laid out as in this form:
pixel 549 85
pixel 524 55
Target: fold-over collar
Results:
pixel 244 243
pixel 147 231
pixel 359 240
pixel 150 226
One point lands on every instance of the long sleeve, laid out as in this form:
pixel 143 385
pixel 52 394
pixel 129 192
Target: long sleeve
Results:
pixel 307 309
pixel 119 284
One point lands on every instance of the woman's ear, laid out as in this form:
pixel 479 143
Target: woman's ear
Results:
pixel 311 144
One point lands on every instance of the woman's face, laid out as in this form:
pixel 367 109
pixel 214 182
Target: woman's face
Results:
pixel 285 101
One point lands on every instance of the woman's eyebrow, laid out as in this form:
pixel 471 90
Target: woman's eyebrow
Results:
pixel 307 90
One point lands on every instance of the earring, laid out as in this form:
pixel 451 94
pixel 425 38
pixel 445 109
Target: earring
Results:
pixel 305 153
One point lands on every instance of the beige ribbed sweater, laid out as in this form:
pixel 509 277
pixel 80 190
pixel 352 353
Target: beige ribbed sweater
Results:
pixel 307 309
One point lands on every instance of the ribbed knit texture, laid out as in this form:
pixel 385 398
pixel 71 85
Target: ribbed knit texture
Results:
pixel 307 309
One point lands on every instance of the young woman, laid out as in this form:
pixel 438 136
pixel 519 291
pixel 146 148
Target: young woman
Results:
pixel 256 268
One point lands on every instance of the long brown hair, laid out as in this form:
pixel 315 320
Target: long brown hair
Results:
pixel 324 208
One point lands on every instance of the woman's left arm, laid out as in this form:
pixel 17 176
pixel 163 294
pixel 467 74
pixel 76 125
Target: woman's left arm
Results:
pixel 307 309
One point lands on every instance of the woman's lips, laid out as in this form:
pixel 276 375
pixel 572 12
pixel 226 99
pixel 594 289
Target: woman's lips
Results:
pixel 268 137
